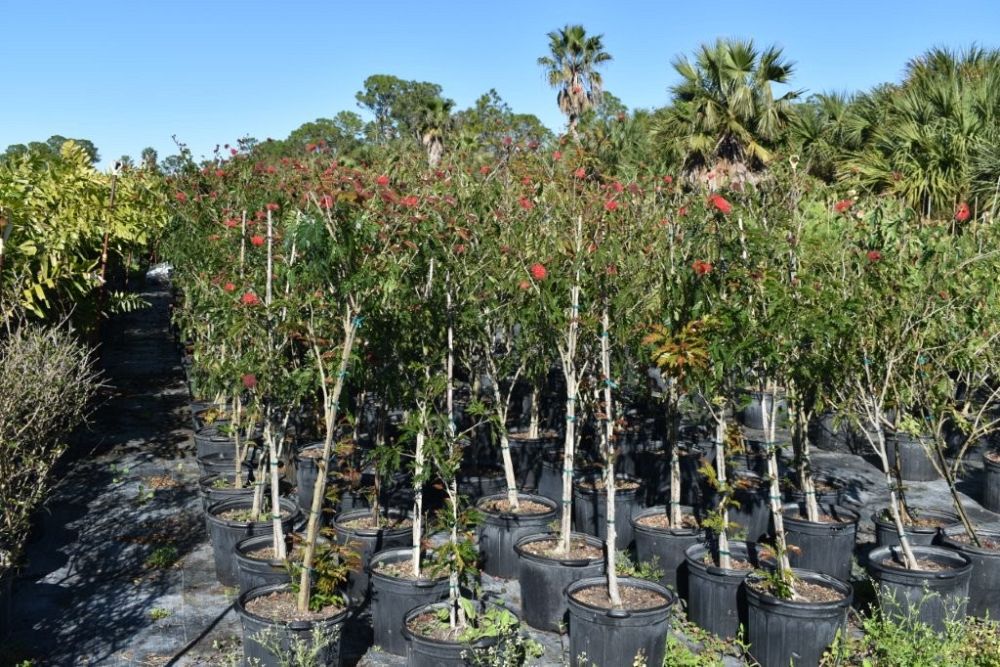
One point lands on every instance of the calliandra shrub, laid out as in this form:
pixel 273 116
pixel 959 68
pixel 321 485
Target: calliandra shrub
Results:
pixel 47 382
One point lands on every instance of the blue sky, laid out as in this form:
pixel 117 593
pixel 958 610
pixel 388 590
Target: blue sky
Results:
pixel 130 74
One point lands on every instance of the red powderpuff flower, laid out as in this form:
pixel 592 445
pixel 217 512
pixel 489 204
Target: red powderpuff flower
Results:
pixel 220 173
pixel 682 211
pixel 410 201
pixel 233 151
pixel 873 255
pixel 249 380
pixel 310 148
pixel 668 179
pixel 557 155
pixel 229 287
pixel 257 240
pixel 538 271
pixel 484 170
pixel 382 180
pixel 842 205
pixel 524 284
pixel 507 141
pixel 580 173
pixel 459 248
pixel 617 187
pixel 526 180
pixel 249 299
pixel 526 203
pixel 962 213
pixel 231 223
pixel 271 169
pixel 271 206
pixel 181 197
pixel 326 201
pixel 701 267
pixel 720 204
pixel 611 205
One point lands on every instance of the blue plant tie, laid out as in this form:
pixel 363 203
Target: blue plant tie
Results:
pixel 611 383
pixel 357 321
pixel 724 553
pixel 342 374
pixel 570 418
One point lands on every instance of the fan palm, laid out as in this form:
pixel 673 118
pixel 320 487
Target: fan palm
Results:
pixel 435 120
pixel 571 68
pixel 725 117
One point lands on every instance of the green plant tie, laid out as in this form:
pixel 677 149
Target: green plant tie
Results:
pixel 570 418
pixel 724 553
pixel 776 498
pixel 275 516
pixel 567 502
pixel 611 383
pixel 342 374
pixel 809 493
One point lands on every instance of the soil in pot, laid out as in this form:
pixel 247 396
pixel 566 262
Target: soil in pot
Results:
pixel 825 546
pixel 218 487
pixel 936 593
pixel 429 644
pixel 984 583
pixel 367 536
pixel 602 635
pixel 229 523
pixel 656 542
pixel 545 572
pixel 256 564
pixel 922 529
pixel 795 632
pixel 716 600
pixel 500 529
pixel 394 592
pixel 590 502
pixel 271 620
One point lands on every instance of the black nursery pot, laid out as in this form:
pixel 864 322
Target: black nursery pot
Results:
pixel 590 509
pixel 824 546
pixel 499 531
pixel 914 454
pixel 392 597
pixel 543 580
pixel 368 542
pixel 716 599
pixel 224 534
pixel 885 529
pixel 991 482
pixel 306 474
pixel 222 463
pixel 666 546
pixel 933 596
pixel 796 633
pixel 984 584
pixel 426 652
pixel 285 635
pixel 253 572
pixel 209 440
pixel 528 455
pixel 601 636
pixel 210 494
pixel 485 481
pixel 550 478
pixel 753 514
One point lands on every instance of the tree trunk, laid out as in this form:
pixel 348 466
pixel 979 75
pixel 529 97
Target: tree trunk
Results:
pixel 725 558
pixel 607 436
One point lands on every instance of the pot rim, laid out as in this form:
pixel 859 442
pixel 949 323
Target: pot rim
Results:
pixel 875 563
pixel 416 611
pixel 662 509
pixel 405 552
pixel 594 582
pixel 811 576
pixel 937 514
pixel 541 537
pixel 240 605
pixel 715 570
pixel 368 532
pixel 212 512
pixel 795 508
pixel 946 537
pixel 511 516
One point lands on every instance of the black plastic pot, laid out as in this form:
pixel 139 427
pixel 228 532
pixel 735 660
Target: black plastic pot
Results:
pixel 754 512
pixel 885 529
pixel 550 480
pixel 601 636
pixel 984 584
pixel 931 596
pixel 284 636
pixel 392 597
pixel 211 494
pixel 826 434
pixel 785 633
pixel 487 481
pixel 209 440
pixel 543 580
pixel 252 572
pixel 6 602
pixel 306 474
pixel 823 498
pixel 991 483
pixel 499 532
pixel 221 463
pixel 590 510
pixel 225 534
pixel 198 410
pixel 824 546
pixel 426 652
pixel 752 413
pixel 528 455
pixel 716 599
pixel 666 546
pixel 368 542
pixel 914 454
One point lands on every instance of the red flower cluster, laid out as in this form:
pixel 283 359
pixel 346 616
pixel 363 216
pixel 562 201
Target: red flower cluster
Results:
pixel 701 267
pixel 720 204
pixel 873 255
pixel 250 299
pixel 410 201
pixel 962 213
pixel 231 223
pixel 271 206
pixel 617 186
pixel 557 155
pixel 538 271
pixel 668 179
pixel 382 180
pixel 181 197
pixel 326 201
pixel 220 173
pixel 580 173
pixel 257 240
pixel 249 380
pixel 524 284
pixel 526 203
pixel 507 141
pixel 842 205
pixel 485 169
pixel 229 287
pixel 611 205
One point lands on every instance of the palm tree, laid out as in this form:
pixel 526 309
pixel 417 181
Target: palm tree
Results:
pixel 571 68
pixel 435 121
pixel 725 118
pixel 818 133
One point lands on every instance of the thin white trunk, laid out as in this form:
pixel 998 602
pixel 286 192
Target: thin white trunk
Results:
pixel 610 487
pixel 418 497
pixel 725 558
pixel 676 517
pixel 534 425
pixel 272 448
